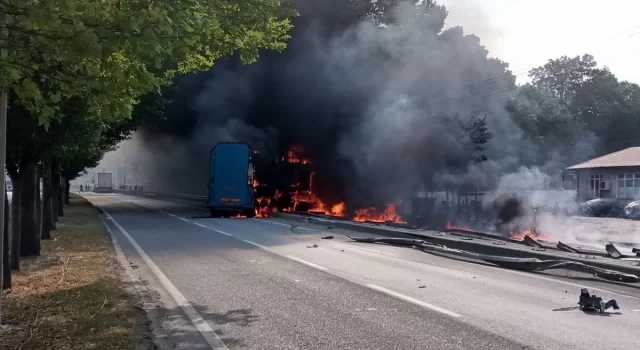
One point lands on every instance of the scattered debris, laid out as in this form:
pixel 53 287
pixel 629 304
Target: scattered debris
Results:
pixel 567 248
pixel 312 246
pixel 539 249
pixel 614 252
pixel 526 264
pixel 499 243
pixel 422 287
pixel 327 237
pixel 467 238
pixel 594 303
pixel 439 234
pixel 588 256
pixel 532 242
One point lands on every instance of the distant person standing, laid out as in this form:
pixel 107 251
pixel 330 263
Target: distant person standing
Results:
pixel 81 189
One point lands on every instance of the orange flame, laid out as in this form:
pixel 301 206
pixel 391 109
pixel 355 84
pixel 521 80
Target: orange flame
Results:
pixel 338 209
pixel 238 216
pixel 531 233
pixel 371 214
pixel 459 228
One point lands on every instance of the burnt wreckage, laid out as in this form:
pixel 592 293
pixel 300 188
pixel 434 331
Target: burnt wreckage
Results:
pixel 525 264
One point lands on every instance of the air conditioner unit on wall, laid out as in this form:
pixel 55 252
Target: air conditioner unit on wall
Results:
pixel 605 185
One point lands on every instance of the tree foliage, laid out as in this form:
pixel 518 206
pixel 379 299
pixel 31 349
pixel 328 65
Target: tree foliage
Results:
pixel 109 52
pixel 574 109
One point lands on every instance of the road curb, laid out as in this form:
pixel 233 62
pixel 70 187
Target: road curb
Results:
pixel 486 247
pixel 137 289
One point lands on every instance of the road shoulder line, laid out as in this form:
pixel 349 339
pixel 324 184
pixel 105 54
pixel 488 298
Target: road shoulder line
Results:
pixel 201 325
pixel 412 300
pixel 308 263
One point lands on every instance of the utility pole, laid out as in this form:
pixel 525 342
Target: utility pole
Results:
pixel 3 152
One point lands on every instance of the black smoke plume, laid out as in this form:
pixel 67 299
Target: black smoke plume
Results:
pixel 376 96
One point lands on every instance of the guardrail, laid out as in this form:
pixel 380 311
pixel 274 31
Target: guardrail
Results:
pixel 164 195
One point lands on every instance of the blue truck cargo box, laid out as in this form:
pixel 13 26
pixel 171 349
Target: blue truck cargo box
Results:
pixel 231 180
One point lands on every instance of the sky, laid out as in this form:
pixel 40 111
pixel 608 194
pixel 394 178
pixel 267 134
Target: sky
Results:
pixel 526 33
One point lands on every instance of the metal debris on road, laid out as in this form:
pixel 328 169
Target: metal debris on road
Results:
pixel 422 287
pixel 567 248
pixel 312 246
pixel 532 242
pixel 327 237
pixel 591 302
pixel 614 252
pixel 526 264
pixel 467 238
pixel 500 243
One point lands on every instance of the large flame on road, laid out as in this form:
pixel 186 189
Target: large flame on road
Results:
pixel 458 228
pixel 313 204
pixel 371 214
pixel 531 233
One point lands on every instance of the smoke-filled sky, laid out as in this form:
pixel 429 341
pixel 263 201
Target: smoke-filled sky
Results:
pixel 527 33
pixel 370 105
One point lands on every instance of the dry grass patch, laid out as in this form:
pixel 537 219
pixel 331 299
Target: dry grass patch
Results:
pixel 72 297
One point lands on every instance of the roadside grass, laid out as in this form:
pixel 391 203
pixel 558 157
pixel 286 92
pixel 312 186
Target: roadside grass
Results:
pixel 72 297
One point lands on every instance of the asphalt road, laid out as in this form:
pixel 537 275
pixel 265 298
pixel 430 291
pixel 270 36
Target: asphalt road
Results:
pixel 261 284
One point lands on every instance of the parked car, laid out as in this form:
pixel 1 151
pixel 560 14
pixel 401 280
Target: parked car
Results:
pixel 632 210
pixel 601 207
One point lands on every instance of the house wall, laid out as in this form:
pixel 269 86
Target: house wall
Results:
pixel 610 174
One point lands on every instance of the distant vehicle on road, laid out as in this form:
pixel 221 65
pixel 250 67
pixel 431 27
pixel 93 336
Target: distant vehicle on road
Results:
pixel 105 183
pixel 231 177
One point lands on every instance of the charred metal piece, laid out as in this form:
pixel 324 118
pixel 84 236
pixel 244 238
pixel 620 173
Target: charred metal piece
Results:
pixel 526 264
pixel 614 252
pixel 591 302
pixel 567 248
pixel 532 242
pixel 327 237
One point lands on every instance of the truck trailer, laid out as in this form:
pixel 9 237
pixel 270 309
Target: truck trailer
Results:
pixel 231 178
pixel 105 183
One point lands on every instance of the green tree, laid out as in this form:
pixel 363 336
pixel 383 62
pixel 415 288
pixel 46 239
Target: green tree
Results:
pixel 110 52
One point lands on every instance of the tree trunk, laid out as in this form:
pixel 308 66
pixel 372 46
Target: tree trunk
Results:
pixel 67 188
pixel 6 264
pixel 54 196
pixel 47 213
pixel 15 226
pixel 30 235
pixel 38 204
pixel 61 193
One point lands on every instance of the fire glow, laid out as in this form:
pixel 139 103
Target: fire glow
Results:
pixel 313 203
pixel 529 232
pixel 451 227
pixel 371 214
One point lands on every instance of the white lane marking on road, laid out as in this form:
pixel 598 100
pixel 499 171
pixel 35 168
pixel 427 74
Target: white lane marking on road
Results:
pixel 203 327
pixel 199 224
pixel 255 244
pixel 413 300
pixel 308 263
pixel 171 215
pixel 183 219
pixel 223 233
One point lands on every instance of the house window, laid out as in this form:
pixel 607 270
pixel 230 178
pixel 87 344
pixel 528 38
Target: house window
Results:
pixel 594 185
pixel 628 186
